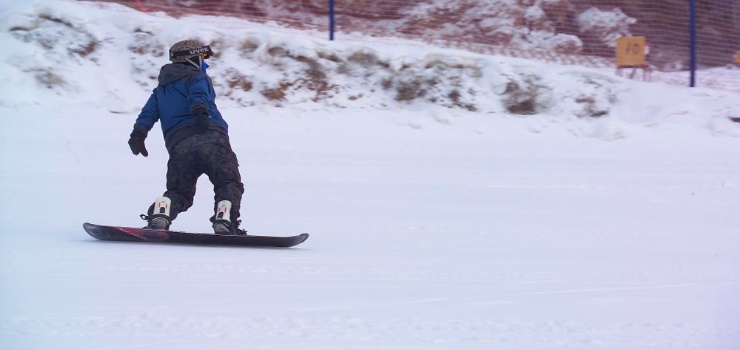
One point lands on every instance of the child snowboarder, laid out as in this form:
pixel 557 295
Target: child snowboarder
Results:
pixel 196 137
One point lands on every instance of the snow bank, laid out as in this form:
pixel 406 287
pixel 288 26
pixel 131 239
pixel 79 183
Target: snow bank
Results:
pixel 66 53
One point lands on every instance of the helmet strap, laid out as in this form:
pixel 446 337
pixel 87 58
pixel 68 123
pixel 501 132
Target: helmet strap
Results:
pixel 196 61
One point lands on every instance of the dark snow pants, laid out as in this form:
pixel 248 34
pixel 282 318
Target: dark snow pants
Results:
pixel 209 154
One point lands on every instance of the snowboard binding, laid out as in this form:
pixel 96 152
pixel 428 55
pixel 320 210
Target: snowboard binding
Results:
pixel 159 215
pixel 222 224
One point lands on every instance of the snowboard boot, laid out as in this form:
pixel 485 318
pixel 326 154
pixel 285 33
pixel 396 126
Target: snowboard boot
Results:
pixel 158 223
pixel 222 224
pixel 159 218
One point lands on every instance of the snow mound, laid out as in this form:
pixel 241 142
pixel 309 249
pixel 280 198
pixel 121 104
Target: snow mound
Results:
pixel 61 52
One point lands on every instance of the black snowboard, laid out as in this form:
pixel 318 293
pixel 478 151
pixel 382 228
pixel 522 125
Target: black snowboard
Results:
pixel 131 234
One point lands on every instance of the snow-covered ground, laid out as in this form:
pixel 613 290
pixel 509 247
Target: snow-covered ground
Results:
pixel 609 224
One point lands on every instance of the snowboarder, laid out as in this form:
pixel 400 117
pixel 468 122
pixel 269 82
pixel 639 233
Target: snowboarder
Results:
pixel 196 138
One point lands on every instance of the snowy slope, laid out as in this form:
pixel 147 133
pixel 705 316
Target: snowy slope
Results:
pixel 605 220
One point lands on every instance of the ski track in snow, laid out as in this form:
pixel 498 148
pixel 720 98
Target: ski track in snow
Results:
pixel 495 264
pixel 223 297
pixel 150 330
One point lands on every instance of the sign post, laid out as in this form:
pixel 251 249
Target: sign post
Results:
pixel 331 20
pixel 692 41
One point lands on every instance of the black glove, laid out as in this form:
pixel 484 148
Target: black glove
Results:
pixel 136 142
pixel 200 112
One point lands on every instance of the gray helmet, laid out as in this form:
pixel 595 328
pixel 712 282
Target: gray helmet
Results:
pixel 190 51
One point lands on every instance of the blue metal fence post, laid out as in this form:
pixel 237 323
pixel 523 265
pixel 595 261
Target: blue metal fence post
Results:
pixel 331 19
pixel 692 44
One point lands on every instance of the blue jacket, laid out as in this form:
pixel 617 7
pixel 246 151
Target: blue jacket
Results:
pixel 181 88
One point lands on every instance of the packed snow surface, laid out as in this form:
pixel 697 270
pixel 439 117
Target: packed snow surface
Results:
pixel 454 200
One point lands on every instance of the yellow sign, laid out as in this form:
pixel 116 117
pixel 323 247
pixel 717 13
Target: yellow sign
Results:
pixel 737 58
pixel 631 51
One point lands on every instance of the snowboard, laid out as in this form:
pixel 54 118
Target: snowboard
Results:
pixel 131 234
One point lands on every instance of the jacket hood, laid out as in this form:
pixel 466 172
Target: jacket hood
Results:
pixel 173 72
